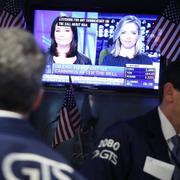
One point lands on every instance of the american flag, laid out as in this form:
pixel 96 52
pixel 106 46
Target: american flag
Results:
pixel 11 14
pixel 68 119
pixel 164 36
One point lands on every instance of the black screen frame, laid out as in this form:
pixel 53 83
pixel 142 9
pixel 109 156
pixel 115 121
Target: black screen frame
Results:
pixel 93 8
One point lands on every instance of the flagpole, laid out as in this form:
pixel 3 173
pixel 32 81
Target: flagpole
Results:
pixel 80 144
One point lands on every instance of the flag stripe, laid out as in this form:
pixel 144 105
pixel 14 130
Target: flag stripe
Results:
pixel 74 115
pixel 154 31
pixel 59 135
pixel 8 22
pixel 68 124
pixel 4 16
pixel 73 110
pixel 176 55
pixel 64 119
pixel 76 121
pixel 174 36
pixel 12 15
pixel 56 138
pixel 7 17
pixel 75 118
pixel 18 20
pixel 68 119
pixel 76 125
pixel 167 35
pixel 1 17
pixel 61 125
pixel 164 35
pixel 171 41
pixel 174 49
pixel 158 33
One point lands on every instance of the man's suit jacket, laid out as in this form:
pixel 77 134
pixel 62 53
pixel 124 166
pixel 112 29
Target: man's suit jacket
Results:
pixel 23 154
pixel 121 152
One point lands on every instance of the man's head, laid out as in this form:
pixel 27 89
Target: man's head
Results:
pixel 170 88
pixel 170 74
pixel 21 68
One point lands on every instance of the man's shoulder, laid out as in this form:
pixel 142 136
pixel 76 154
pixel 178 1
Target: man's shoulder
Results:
pixel 22 145
pixel 133 125
pixel 31 153
pixel 27 144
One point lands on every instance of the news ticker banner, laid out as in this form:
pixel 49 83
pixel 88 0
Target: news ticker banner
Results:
pixel 85 80
pixel 131 71
pixel 54 79
pixel 132 75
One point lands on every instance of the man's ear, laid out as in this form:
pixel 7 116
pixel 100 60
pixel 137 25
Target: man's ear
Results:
pixel 168 92
pixel 38 99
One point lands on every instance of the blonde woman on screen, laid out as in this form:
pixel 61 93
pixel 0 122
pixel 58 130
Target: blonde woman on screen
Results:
pixel 127 44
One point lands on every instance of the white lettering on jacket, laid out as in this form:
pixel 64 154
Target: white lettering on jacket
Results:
pixel 48 167
pixel 106 154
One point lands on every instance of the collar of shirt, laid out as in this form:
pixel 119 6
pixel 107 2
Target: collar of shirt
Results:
pixel 10 114
pixel 167 128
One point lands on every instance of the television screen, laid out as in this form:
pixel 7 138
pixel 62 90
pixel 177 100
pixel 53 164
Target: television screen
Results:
pixel 91 68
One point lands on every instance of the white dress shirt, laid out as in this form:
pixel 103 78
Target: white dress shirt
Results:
pixel 167 129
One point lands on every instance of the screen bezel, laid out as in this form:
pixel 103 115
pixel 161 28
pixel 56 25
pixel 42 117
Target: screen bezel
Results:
pixel 102 9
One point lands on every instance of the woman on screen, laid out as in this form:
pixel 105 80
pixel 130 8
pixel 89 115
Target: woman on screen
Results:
pixel 64 45
pixel 127 44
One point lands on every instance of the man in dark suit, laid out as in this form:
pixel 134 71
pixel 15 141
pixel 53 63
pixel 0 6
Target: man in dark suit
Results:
pixel 142 148
pixel 23 155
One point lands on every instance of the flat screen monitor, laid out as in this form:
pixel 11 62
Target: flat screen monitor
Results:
pixel 94 29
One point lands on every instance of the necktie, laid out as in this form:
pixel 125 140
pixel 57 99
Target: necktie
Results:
pixel 176 156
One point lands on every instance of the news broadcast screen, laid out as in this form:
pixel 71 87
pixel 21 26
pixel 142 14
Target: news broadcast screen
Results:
pixel 91 66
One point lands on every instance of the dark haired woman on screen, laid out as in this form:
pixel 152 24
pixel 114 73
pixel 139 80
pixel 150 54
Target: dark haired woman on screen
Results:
pixel 64 45
pixel 127 44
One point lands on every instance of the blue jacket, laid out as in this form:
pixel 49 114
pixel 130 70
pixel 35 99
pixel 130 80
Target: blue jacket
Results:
pixel 122 151
pixel 23 154
pixel 110 60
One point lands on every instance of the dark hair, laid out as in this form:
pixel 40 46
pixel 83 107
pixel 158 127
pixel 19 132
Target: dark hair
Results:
pixel 73 47
pixel 170 73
